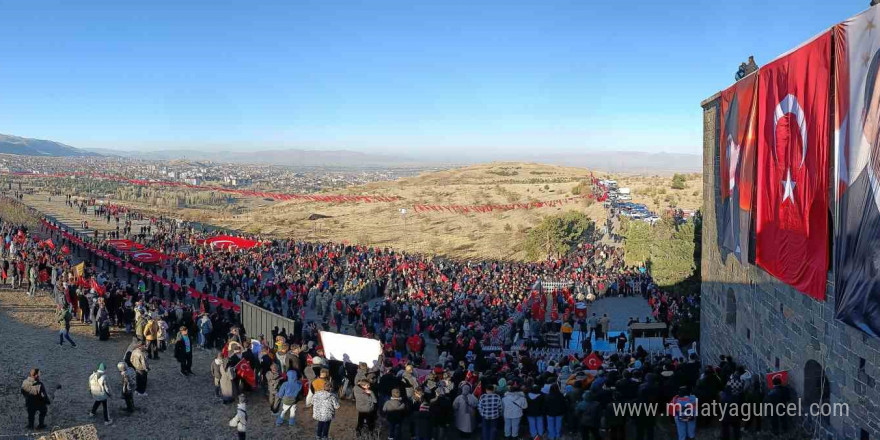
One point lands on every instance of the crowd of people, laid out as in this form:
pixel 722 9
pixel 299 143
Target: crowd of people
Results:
pixel 490 375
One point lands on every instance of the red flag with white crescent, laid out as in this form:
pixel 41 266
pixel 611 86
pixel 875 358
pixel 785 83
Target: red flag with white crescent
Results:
pixel 782 375
pixel 792 186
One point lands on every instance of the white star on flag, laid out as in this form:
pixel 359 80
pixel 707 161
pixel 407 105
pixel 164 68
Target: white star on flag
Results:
pixel 788 188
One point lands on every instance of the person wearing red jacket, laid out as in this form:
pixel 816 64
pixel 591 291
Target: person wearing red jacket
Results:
pixel 416 344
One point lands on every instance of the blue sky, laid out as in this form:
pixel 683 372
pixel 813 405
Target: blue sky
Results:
pixel 476 78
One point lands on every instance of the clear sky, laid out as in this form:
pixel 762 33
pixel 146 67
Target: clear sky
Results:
pixel 473 77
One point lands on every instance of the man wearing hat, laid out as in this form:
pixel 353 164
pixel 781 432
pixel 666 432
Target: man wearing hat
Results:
pixel 100 392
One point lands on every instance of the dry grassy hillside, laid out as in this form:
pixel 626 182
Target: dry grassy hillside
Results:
pixel 473 235
pixel 497 234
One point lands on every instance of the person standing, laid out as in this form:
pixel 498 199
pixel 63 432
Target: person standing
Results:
pixel 64 317
pixel 204 330
pixel 183 352
pixel 780 394
pixel 535 412
pixel 141 367
pixel 151 334
pixel 604 323
pixel 129 381
pixel 163 334
pixel 324 406
pixel 217 374
pixel 514 402
pixel 288 394
pixel 365 402
pixel 239 422
pixel 32 281
pixel 566 331
pixel 395 412
pixel 684 411
pixel 465 411
pixel 490 411
pixel 100 392
pixel 555 406
pixel 35 398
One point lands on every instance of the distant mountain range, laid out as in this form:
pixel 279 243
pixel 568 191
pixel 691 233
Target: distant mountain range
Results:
pixel 287 157
pixel 611 161
pixel 38 147
pixel 627 161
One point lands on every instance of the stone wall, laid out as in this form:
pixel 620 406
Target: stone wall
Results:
pixel 768 326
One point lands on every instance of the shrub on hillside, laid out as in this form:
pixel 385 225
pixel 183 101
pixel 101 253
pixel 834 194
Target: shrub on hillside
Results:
pixel 558 234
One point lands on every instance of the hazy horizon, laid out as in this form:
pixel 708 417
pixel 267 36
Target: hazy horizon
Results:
pixel 470 79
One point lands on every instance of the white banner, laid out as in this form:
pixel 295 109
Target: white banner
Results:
pixel 351 348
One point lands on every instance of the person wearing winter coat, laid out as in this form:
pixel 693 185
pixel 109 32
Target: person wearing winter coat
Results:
pixel 780 394
pixel 513 403
pixel 128 380
pixel 365 402
pixel 555 406
pixel 151 334
pixel 395 411
pixel 288 394
pixel 205 329
pixel 239 422
pixel 422 419
pixel 465 407
pixel 410 382
pixel 100 392
pixel 163 334
pixel 441 413
pixel 141 367
pixel 63 317
pixel 36 399
pixel 649 393
pixel 589 412
pixel 324 406
pixel 228 385
pixel 183 351
pixel 535 412
pixel 217 372
pixel 273 384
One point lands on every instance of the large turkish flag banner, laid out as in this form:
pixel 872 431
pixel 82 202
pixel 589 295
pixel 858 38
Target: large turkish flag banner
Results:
pixel 792 180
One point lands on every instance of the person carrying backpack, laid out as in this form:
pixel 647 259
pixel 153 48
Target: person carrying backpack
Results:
pixel 100 392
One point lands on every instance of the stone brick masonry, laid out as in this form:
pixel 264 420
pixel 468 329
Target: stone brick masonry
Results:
pixel 769 326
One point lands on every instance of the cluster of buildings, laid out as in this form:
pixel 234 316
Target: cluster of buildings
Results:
pixel 249 176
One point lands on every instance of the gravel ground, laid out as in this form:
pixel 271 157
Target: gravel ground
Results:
pixel 176 407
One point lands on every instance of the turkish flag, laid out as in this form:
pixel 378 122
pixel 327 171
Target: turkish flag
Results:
pixel 244 371
pixel 792 185
pixel 782 375
pixel 593 361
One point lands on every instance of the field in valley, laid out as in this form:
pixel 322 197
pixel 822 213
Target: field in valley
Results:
pixel 496 234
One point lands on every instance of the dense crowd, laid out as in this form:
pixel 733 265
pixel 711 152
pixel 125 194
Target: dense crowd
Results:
pixel 474 311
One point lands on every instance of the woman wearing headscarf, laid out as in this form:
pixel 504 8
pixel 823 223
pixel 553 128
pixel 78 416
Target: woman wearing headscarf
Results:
pixel 465 407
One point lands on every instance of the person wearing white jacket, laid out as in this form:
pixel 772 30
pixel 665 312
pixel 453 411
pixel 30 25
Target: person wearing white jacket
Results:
pixel 513 404
pixel 239 422
pixel 100 392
